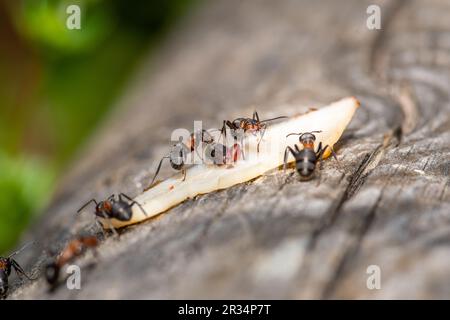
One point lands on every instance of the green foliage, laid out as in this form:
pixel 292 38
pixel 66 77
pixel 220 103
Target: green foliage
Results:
pixel 57 86
pixel 24 187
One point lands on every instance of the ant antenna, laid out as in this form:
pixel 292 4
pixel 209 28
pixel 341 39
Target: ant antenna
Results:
pixel 157 171
pixel 272 119
pixel 301 133
pixel 21 249
pixel 294 134
pixel 86 204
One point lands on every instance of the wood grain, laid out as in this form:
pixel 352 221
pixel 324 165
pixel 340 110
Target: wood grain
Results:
pixel 277 237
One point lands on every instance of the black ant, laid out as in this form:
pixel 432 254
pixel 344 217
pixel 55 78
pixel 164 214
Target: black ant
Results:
pixel 119 209
pixel 248 125
pixel 6 264
pixel 306 159
pixel 178 154
pixel 73 249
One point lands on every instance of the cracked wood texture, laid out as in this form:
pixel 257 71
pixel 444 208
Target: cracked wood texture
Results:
pixel 276 237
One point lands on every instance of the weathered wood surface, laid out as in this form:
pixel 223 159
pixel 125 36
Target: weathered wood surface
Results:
pixel 277 237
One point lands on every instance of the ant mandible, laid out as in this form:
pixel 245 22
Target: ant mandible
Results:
pixel 73 249
pixel 8 263
pixel 248 125
pixel 306 158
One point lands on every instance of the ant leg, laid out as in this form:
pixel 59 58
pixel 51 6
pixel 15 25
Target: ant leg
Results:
pixel 223 131
pixel 125 196
pixel 116 234
pixel 196 151
pixel 86 204
pixel 333 154
pixel 21 249
pixel 183 171
pixel 255 116
pixel 242 153
pixel 157 171
pixel 133 202
pixel 20 272
pixel 319 154
pixel 286 155
pixel 263 131
pixel 230 125
pixel 99 224
pixel 241 147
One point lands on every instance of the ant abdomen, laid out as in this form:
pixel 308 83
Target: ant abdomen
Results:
pixel 122 211
pixel 305 163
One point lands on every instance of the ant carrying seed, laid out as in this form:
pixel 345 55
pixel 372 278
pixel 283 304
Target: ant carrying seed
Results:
pixel 114 208
pixel 8 263
pixel 178 154
pixel 73 249
pixel 248 125
pixel 306 158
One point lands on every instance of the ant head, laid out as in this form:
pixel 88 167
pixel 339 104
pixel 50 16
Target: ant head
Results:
pixel 51 273
pixel 307 137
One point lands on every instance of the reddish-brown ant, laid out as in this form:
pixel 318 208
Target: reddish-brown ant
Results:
pixel 6 264
pixel 120 209
pixel 73 249
pixel 248 125
pixel 306 158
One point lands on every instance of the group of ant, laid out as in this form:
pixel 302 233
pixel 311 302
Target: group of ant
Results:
pixel 113 207
pixel 120 207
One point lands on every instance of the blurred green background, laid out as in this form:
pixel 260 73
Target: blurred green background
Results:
pixel 58 84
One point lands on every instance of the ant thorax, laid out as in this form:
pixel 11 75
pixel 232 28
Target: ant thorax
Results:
pixel 104 206
pixel 3 264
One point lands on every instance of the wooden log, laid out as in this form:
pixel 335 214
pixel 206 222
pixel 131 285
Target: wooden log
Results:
pixel 277 237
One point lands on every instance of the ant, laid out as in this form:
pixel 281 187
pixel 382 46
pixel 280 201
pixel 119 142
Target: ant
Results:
pixel 119 209
pixel 306 159
pixel 8 263
pixel 219 154
pixel 252 125
pixel 178 154
pixel 73 249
